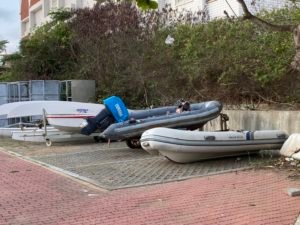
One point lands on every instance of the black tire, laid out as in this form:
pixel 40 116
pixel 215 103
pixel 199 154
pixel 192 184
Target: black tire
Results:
pixel 134 143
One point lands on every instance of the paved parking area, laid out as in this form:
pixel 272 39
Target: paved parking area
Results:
pixel 32 194
pixel 116 166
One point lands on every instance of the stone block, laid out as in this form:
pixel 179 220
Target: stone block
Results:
pixel 293 192
pixel 291 145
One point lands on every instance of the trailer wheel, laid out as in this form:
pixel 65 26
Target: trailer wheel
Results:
pixel 48 142
pixel 133 143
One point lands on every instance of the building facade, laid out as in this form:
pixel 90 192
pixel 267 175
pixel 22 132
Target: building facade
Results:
pixel 215 8
pixel 36 12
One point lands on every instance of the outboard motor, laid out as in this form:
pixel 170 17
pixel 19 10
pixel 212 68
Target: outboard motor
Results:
pixel 115 111
pixel 100 122
pixel 117 108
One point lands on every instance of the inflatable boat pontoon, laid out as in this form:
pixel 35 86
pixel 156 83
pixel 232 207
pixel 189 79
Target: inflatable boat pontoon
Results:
pixel 190 146
pixel 135 122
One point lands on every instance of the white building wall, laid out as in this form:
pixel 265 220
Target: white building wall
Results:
pixel 70 4
pixel 189 5
pixel 77 4
pixel 162 4
pixel 39 12
pixel 265 5
pixel 233 8
pixel 88 3
pixel 25 27
pixel 216 7
pixel 37 18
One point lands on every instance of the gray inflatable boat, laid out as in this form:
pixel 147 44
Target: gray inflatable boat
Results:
pixel 191 146
pixel 138 121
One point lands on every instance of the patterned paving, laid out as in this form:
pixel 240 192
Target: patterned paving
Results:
pixel 32 194
pixel 115 168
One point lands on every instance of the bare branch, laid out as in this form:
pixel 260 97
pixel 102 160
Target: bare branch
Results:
pixel 227 15
pixel 248 15
pixel 295 29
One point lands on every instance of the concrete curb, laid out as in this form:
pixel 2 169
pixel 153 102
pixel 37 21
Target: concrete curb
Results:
pixel 297 221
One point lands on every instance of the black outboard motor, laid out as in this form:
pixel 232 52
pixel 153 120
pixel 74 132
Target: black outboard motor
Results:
pixel 100 122
pixel 115 111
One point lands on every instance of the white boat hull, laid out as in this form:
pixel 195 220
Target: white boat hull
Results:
pixel 67 123
pixel 30 108
pixel 191 146
pixel 65 116
pixel 73 120
pixel 53 135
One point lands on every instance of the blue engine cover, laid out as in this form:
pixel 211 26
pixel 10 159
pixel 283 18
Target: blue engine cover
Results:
pixel 117 108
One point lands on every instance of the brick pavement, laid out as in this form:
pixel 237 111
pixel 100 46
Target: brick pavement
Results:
pixel 31 194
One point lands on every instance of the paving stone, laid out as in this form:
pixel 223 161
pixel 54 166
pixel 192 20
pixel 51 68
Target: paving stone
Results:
pixel 36 195
pixel 114 168
pixel 293 192
pixel 298 221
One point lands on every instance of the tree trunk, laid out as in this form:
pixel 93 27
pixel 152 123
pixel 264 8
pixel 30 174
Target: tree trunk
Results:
pixel 274 27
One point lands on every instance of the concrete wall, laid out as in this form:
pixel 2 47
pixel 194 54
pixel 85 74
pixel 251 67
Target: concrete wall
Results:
pixel 288 121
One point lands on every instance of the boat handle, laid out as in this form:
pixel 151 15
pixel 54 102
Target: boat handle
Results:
pixel 210 138
pixel 281 135
pixel 145 144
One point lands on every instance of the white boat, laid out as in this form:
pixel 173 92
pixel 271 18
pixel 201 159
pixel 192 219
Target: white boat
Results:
pixel 65 116
pixel 68 122
pixel 5 128
pixel 184 146
pixel 5 109
pixel 71 120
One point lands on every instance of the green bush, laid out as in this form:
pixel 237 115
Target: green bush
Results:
pixel 124 50
pixel 236 61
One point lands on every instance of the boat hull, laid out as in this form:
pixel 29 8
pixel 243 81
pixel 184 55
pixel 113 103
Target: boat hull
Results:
pixel 72 120
pixel 191 146
pixel 65 116
pixel 200 114
pixel 67 123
